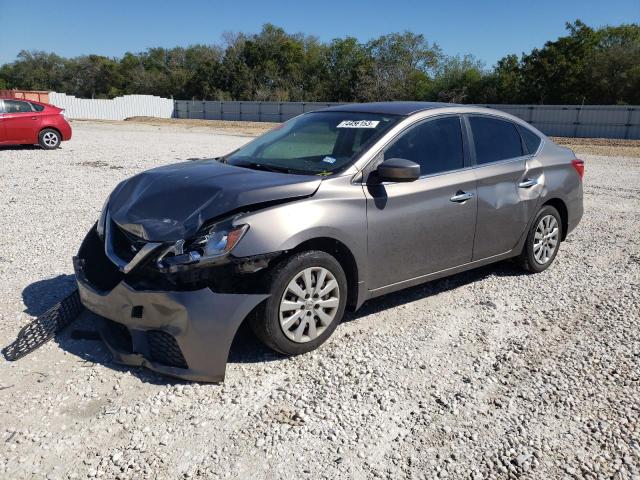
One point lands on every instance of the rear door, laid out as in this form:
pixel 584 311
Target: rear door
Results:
pixel 424 226
pixel 21 122
pixel 508 190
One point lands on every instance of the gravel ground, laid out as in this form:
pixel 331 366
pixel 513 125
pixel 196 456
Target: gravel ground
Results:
pixel 488 374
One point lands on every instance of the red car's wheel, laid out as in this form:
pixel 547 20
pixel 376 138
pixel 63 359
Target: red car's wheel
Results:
pixel 49 139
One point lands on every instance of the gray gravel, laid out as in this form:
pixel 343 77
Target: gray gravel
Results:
pixel 488 374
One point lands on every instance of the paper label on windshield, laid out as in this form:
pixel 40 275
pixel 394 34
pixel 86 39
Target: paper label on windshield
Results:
pixel 358 124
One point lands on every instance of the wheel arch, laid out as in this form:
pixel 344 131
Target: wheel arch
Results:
pixel 345 257
pixel 561 207
pixel 49 127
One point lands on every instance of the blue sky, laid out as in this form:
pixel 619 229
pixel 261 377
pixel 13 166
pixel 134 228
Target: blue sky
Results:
pixel 488 29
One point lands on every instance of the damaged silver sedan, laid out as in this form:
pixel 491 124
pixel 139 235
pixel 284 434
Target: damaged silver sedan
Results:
pixel 319 215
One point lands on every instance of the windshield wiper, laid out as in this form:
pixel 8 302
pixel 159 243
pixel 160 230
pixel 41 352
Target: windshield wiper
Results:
pixel 262 166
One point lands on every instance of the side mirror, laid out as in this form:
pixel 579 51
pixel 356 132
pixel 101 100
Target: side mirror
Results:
pixel 398 170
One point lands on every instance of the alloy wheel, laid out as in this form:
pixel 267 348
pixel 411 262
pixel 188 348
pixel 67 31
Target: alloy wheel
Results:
pixel 309 304
pixel 50 139
pixel 545 240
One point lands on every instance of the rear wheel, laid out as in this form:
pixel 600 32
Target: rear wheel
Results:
pixel 49 139
pixel 308 297
pixel 543 240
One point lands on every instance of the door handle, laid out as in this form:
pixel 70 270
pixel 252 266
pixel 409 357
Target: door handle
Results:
pixel 34 118
pixel 461 197
pixel 528 183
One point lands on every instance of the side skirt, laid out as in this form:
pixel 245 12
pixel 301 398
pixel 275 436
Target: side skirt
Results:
pixel 394 287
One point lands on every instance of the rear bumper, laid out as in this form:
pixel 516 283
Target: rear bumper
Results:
pixel 185 334
pixel 65 130
pixel 575 209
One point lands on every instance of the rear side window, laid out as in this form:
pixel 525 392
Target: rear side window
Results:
pixel 16 106
pixel 531 140
pixel 435 145
pixel 37 108
pixel 495 139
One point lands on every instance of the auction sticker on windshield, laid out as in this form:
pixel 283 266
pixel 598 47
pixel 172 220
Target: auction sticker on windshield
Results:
pixel 358 124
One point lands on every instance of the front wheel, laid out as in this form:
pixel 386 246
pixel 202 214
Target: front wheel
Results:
pixel 543 240
pixel 308 297
pixel 49 139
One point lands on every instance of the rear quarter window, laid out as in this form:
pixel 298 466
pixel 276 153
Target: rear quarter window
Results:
pixel 37 108
pixel 531 140
pixel 495 139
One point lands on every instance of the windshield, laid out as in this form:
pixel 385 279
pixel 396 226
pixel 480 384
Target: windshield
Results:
pixel 318 143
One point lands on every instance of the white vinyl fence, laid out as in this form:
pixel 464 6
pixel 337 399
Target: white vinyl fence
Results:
pixel 118 108
pixel 606 121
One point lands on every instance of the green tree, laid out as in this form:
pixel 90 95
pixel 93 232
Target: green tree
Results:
pixel 399 61
pixel 347 62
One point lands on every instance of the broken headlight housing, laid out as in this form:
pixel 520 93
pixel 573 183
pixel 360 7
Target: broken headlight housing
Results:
pixel 208 248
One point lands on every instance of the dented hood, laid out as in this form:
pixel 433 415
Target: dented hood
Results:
pixel 172 203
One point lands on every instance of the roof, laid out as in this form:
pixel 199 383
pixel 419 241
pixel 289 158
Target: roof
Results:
pixel 28 100
pixel 389 108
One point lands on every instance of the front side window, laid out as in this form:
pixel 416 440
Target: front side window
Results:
pixel 16 106
pixel 317 143
pixel 435 145
pixel 495 139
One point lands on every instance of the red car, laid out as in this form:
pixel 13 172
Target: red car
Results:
pixel 25 122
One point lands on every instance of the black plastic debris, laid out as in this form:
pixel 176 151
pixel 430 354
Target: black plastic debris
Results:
pixel 44 328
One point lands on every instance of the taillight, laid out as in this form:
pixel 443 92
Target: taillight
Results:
pixel 579 166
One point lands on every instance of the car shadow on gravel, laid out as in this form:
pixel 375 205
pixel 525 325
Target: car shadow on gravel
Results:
pixel 39 296
pixel 20 147
pixel 81 338
pixel 504 268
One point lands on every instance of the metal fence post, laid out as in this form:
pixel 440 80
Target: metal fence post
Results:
pixel 577 121
pixel 627 130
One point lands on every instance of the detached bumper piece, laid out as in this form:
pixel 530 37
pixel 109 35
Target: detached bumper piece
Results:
pixel 184 334
pixel 46 326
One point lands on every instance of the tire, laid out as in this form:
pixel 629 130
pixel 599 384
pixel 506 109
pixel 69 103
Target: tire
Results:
pixel 535 258
pixel 49 139
pixel 278 330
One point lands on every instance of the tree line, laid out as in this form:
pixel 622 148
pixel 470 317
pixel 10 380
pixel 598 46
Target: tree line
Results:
pixel 587 65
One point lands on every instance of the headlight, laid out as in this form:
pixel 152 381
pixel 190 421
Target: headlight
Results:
pixel 102 219
pixel 218 241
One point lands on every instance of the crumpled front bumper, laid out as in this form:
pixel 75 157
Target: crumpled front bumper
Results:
pixel 185 334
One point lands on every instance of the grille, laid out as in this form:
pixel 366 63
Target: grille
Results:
pixel 164 349
pixel 125 244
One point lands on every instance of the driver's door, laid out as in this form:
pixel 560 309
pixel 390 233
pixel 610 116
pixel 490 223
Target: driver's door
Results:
pixel 427 225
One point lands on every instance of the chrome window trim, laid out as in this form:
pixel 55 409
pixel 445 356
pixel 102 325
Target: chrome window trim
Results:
pixel 502 162
pixel 366 157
